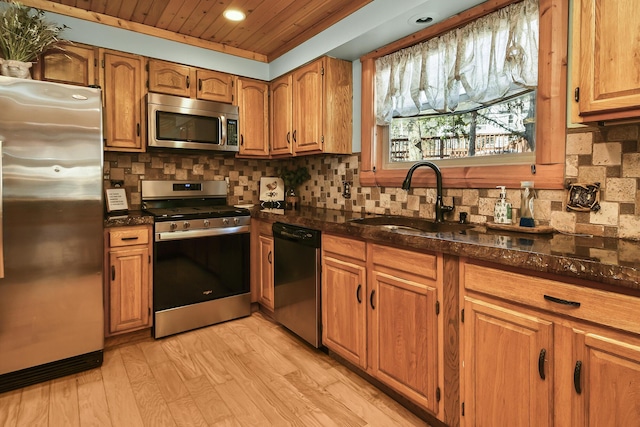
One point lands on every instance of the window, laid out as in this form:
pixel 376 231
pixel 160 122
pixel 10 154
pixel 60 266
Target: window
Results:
pixel 462 120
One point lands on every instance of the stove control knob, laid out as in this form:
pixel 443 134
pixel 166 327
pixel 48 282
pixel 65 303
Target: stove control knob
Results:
pixel 206 223
pixel 225 221
pixel 186 225
pixel 173 226
pixel 236 221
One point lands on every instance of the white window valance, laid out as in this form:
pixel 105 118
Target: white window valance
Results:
pixel 491 58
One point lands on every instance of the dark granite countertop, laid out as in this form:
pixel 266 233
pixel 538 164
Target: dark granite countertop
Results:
pixel 612 262
pixel 130 218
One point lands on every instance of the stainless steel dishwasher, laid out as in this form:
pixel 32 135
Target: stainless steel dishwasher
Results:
pixel 297 280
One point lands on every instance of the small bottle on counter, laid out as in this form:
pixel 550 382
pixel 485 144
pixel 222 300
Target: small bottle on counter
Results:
pixel 526 207
pixel 502 211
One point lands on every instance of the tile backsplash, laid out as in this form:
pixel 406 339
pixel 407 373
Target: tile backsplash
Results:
pixel 608 155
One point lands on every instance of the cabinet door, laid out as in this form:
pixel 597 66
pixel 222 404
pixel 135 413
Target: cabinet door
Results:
pixel 215 86
pixel 281 116
pixel 71 64
pixel 606 386
pixel 344 309
pixel 308 107
pixel 404 340
pixel 253 103
pixel 123 89
pixel 505 357
pixel 266 271
pixel 607 55
pixel 129 305
pixel 172 79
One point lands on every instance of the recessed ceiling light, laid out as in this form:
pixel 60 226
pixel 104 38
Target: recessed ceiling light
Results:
pixel 423 19
pixel 234 15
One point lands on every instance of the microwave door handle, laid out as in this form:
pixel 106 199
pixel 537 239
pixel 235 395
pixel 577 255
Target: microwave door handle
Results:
pixel 1 216
pixel 223 130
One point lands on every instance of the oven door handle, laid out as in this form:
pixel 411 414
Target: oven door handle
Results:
pixel 194 234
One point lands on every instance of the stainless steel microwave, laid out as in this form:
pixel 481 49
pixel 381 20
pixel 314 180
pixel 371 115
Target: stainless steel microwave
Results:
pixel 176 122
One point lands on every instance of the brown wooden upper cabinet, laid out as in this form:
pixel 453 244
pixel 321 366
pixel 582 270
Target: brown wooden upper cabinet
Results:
pixel 74 64
pixel 311 109
pixel 190 82
pixel 252 99
pixel 122 81
pixel 606 84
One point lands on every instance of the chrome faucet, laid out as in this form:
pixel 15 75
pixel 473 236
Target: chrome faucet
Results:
pixel 440 207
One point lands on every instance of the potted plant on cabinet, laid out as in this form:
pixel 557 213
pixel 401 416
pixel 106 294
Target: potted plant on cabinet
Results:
pixel 292 179
pixel 24 34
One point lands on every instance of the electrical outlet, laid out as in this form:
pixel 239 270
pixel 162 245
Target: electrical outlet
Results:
pixel 346 189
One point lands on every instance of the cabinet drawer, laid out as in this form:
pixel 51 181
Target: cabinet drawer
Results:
pixel 128 236
pixel 345 246
pixel 604 307
pixel 419 263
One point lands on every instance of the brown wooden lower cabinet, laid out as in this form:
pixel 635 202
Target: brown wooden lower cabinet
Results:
pixel 541 352
pixel 128 291
pixel 380 312
pixel 262 264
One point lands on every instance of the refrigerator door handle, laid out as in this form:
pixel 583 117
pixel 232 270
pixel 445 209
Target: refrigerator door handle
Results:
pixel 1 218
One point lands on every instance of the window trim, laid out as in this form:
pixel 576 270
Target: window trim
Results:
pixel 551 109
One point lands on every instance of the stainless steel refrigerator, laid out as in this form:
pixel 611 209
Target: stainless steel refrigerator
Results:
pixel 51 252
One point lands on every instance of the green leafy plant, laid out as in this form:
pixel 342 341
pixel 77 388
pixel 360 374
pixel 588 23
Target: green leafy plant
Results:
pixel 292 178
pixel 24 33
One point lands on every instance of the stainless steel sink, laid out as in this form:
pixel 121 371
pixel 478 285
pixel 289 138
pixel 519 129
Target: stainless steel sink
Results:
pixel 408 224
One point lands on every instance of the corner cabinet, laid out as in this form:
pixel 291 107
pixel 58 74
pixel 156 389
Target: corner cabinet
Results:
pixel 383 317
pixel 123 82
pixel 541 352
pixel 182 80
pixel 74 64
pixel 604 60
pixel 320 115
pixel 128 278
pixel 252 99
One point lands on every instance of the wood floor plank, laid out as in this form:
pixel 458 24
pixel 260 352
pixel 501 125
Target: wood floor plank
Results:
pixel 211 405
pixel 241 406
pixel 360 405
pixel 153 352
pixel 186 412
pixel 324 401
pixel 63 402
pixel 92 404
pixel 91 375
pixel 34 406
pixel 9 406
pixel 212 367
pixel 181 357
pixel 226 334
pixel 212 341
pixel 120 398
pixel 277 361
pixel 151 404
pixel 169 381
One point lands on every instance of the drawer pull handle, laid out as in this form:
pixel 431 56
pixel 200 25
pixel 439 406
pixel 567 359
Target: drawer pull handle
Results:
pixel 373 292
pixel 562 301
pixel 543 353
pixel 130 238
pixel 576 377
pixel 113 272
pixel 359 293
pixel 188 82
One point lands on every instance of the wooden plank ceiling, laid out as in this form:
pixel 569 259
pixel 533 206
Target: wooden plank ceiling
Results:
pixel 272 27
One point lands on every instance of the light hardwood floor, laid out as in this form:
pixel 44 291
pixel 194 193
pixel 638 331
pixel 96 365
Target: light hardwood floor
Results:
pixel 247 372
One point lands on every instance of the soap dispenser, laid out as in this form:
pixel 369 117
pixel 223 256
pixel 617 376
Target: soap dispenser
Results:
pixel 502 210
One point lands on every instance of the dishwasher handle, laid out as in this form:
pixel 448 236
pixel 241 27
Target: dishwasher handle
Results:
pixel 300 235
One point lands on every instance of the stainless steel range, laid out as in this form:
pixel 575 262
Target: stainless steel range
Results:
pixel 201 255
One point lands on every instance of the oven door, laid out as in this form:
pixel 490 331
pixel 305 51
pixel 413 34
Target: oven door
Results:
pixel 199 279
